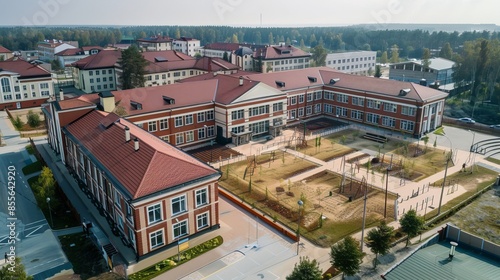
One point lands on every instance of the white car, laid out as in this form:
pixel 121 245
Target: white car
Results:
pixel 495 126
pixel 466 120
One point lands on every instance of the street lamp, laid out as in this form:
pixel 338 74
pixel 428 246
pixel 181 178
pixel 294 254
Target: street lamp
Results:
pixel 386 187
pixel 444 182
pixel 50 212
pixel 300 203
pixel 472 149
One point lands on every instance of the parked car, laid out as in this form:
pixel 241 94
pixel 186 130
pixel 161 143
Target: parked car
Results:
pixel 495 126
pixel 466 120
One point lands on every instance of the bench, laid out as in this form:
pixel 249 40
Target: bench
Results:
pixel 375 137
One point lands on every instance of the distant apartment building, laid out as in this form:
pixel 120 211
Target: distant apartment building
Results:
pixel 5 53
pixel 69 56
pixel 155 43
pixel 23 85
pixel 29 55
pixel 186 45
pixel 48 48
pixel 238 54
pixel 356 62
pixel 96 73
pixel 281 57
pixel 439 70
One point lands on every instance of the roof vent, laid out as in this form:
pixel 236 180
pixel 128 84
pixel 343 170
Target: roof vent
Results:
pixel 127 134
pixel 168 100
pixel 280 84
pixel 136 105
pixel 404 91
pixel 333 81
pixel 136 144
pixel 241 80
pixel 312 79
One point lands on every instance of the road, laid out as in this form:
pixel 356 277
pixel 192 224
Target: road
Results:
pixel 31 235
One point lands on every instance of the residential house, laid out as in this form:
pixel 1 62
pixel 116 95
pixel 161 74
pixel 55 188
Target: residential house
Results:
pixel 281 58
pixel 96 73
pixel 5 53
pixel 353 62
pixel 23 85
pixel 155 43
pixel 69 56
pixel 439 70
pixel 48 48
pixel 186 45
pixel 239 54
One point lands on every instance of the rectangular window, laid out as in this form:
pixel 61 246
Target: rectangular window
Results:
pixel 189 119
pixel 189 136
pixel 237 115
pixel 407 125
pixel 372 118
pixel 317 108
pixel 179 121
pixel 388 121
pixel 91 73
pixel 98 80
pixel 201 197
pixel 154 213
pixel 408 111
pixel 201 133
pixel 179 138
pixel 201 117
pixel 318 95
pixel 156 238
pixel 261 110
pixel 277 107
pixel 341 111
pixel 180 229
pixel 97 72
pixel 163 124
pixel 329 95
pixel 293 100
pixel 210 131
pixel 117 199
pixel 202 221
pixel 390 107
pixel 152 126
pixel 301 112
pixel 358 101
pixel 374 104
pixel 328 108
pixel 342 98
pixel 309 97
pixel 309 110
pixel 301 98
pixel 210 115
pixel 358 115
pixel 292 114
pixel 178 205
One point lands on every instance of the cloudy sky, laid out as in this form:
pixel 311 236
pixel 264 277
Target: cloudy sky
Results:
pixel 247 12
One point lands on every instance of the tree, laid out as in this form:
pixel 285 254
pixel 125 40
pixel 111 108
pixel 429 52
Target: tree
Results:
pixel 346 256
pixel 306 270
pixel 56 66
pixel 446 51
pixel 18 123
pixel 234 39
pixel 46 186
pixel 133 65
pixel 319 55
pixel 394 54
pixel 378 71
pixel 411 224
pixel 426 62
pixel 379 240
pixel 383 58
pixel 33 119
pixel 15 271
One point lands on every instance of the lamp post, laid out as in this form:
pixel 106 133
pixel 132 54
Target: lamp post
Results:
pixel 300 203
pixel 472 149
pixel 444 182
pixel 386 189
pixel 50 212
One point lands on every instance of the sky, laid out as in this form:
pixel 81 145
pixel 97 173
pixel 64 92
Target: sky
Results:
pixel 247 12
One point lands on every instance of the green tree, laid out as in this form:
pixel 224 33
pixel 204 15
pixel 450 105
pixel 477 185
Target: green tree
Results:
pixel 378 71
pixel 446 51
pixel 426 60
pixel 17 123
pixel 319 55
pixel 306 270
pixel 411 224
pixel 302 45
pixel 33 119
pixel 15 271
pixel 394 54
pixel 56 66
pixel 234 39
pixel 383 58
pixel 379 240
pixel 270 38
pixel 346 256
pixel 46 186
pixel 133 65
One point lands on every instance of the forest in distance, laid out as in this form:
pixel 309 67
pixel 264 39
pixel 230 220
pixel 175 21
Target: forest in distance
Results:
pixel 411 43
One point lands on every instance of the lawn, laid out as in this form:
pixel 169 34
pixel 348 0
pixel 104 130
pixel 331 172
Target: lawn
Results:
pixel 87 261
pixel 326 151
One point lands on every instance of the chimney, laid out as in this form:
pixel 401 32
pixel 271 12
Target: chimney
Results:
pixel 61 94
pixel 127 134
pixel 136 144
pixel 107 101
pixel 241 80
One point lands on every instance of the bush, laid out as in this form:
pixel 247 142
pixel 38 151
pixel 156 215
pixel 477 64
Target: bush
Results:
pixel 33 119
pixel 18 123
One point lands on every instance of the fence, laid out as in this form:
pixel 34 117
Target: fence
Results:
pixel 464 238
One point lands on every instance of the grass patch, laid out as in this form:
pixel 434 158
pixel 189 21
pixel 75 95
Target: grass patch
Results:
pixel 494 160
pixel 32 168
pixel 326 151
pixel 169 263
pixel 30 149
pixel 87 261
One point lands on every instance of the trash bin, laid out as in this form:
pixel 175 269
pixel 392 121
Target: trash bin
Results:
pixel 350 198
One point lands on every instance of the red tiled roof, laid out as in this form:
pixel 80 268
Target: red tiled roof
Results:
pixel 151 98
pixel 103 59
pixel 77 51
pixel 155 167
pixel 23 68
pixel 222 46
pixel 80 101
pixel 4 50
pixel 278 52
pixel 156 39
pixel 164 61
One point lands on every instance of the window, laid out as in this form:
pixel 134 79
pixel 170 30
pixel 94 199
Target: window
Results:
pixel 390 107
pixel 179 138
pixel 329 95
pixel 388 121
pixel 318 95
pixel 178 205
pixel 97 72
pixel 372 118
pixel 117 199
pixel 180 229
pixel 358 101
pixel 201 197
pixel 189 119
pixel 201 133
pixel 309 110
pixel 156 238
pixel 238 129
pixel 154 213
pixel 104 79
pixel 342 98
pixel 328 108
pixel 163 124
pixel 341 111
pixel 189 136
pixel 261 110
pixel 202 221
pixel 374 104
pixel 201 117
pixel 91 73
pixel 293 100
pixel 291 114
pixel 408 111
pixel 5 85
pixel 277 107
pixel 358 115
pixel 259 128
pixel 317 108
pixel 236 115
pixel 309 97
pixel 178 121
pixel 301 112
pixel 109 71
pixel 301 98
pixel 210 115
pixel 210 131
pixel 152 126
pixel 407 125
pixel 98 80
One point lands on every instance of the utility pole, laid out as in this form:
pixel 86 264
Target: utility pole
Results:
pixel 442 188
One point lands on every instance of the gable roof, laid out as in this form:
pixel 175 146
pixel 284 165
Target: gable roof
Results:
pixel 4 49
pixel 156 167
pixel 23 68
pixel 78 51
pixel 103 59
pixel 78 102
pixel 164 61
pixel 155 39
pixel 280 52
pixel 437 63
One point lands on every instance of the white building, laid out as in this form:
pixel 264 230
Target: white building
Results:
pixel 186 45
pixel 357 62
pixel 281 58
pixel 48 48
pixel 96 73
pixel 155 43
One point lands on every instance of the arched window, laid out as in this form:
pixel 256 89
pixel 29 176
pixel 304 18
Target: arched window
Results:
pixel 5 84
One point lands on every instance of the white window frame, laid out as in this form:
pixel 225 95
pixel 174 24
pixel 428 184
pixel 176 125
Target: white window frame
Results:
pixel 156 234
pixel 179 227
pixel 182 200
pixel 154 209
pixel 202 220
pixel 202 198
